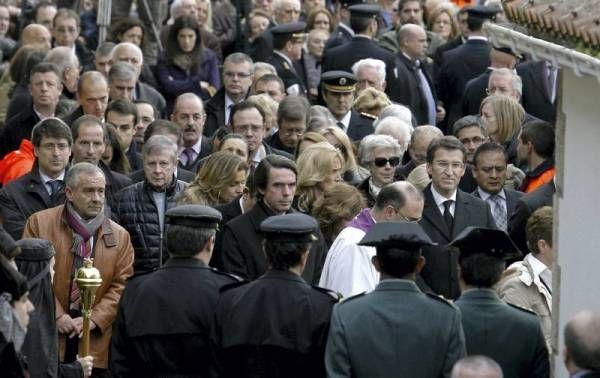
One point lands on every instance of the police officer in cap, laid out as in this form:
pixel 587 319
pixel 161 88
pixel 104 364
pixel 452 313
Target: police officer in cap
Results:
pixel 288 40
pixel 396 330
pixel 509 335
pixel 164 317
pixel 364 23
pixel 276 326
pixel 338 91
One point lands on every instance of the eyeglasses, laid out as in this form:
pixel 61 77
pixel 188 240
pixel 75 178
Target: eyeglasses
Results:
pixel 444 165
pixel 381 162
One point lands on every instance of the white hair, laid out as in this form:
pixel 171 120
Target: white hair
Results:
pixel 277 4
pixel 515 80
pixel 376 64
pixel 397 129
pixel 131 45
pixel 395 110
pixel 62 57
pixel 366 149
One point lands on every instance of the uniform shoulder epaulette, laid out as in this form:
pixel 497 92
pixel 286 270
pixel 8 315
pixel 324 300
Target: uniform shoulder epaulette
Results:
pixel 230 275
pixel 337 296
pixel 521 308
pixel 232 285
pixel 346 299
pixel 439 298
pixel 367 115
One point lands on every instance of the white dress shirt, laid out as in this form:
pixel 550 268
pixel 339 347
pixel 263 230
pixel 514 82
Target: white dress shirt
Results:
pixel 440 199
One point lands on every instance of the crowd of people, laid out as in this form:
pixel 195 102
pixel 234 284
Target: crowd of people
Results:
pixel 277 188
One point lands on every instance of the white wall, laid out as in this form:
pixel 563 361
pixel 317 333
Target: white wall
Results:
pixel 577 204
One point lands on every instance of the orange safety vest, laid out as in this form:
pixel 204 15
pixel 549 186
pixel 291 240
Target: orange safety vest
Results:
pixel 540 180
pixel 463 3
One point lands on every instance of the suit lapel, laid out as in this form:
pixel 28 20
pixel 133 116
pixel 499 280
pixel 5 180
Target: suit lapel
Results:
pixel 460 213
pixel 433 215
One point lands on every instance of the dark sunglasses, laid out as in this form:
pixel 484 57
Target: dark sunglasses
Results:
pixel 381 162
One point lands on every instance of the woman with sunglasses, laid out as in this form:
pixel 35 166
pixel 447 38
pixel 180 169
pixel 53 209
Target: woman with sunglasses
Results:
pixel 380 154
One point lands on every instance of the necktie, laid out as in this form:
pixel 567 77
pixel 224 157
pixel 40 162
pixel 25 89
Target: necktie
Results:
pixel 55 186
pixel 498 211
pixel 228 114
pixel 190 155
pixel 341 126
pixel 448 218
pixel 546 278
pixel 426 89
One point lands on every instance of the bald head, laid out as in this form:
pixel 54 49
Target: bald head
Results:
pixel 476 367
pixel 92 93
pixel 420 139
pixel 129 53
pixel 582 342
pixel 36 35
pixel 413 40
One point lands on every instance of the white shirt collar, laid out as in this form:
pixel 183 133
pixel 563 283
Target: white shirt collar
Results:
pixel 346 120
pixel 344 26
pixel 40 116
pixel 485 195
pixel 258 155
pixel 536 265
pixel 45 178
pixel 440 199
pixel 477 37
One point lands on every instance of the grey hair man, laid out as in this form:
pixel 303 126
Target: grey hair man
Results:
pixel 582 345
pixel 369 73
pixel 476 367
pixel 122 78
pixel 420 139
pixel 505 82
pixel 68 65
pixel 141 207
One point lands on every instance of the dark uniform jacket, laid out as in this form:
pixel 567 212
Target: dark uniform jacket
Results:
pixel 439 54
pixel 291 74
pixel 360 126
pixel 241 252
pixel 526 205
pixel 24 196
pixel 215 113
pixel 138 213
pixel 343 57
pixel 340 36
pixel 475 93
pixel 164 320
pixel 440 274
pixel 535 98
pixel 275 326
pixel 459 66
pixel 394 331
pixel 405 87
pixel 509 335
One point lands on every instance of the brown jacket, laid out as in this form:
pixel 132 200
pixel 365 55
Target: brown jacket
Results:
pixel 113 257
pixel 519 288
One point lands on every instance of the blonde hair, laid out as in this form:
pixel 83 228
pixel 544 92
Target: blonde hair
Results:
pixel 509 115
pixel 419 177
pixel 349 157
pixel 314 165
pixel 269 108
pixel 341 202
pixel 311 136
pixel 371 101
pixel 217 173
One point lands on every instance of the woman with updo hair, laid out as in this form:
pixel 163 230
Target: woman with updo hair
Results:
pixel 371 101
pixel 308 139
pixel 319 167
pixel 336 207
pixel 503 117
pixel 353 174
pixel 221 179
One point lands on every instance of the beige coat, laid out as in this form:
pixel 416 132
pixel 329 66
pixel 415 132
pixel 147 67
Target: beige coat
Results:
pixel 113 257
pixel 518 287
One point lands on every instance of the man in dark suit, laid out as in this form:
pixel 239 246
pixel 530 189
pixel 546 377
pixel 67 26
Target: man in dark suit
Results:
pixel 427 345
pixel 582 344
pixel 92 96
pixel 489 170
pixel 287 51
pixel 238 74
pixel 188 114
pixel 464 63
pixel 43 187
pixel 89 143
pixel 363 20
pixel 447 212
pixel 411 84
pixel 475 89
pixel 526 205
pixel 241 251
pixel 45 88
pixel 173 132
pixel 463 29
pixel 490 325
pixel 337 88
pixel 342 33
pixel 539 89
